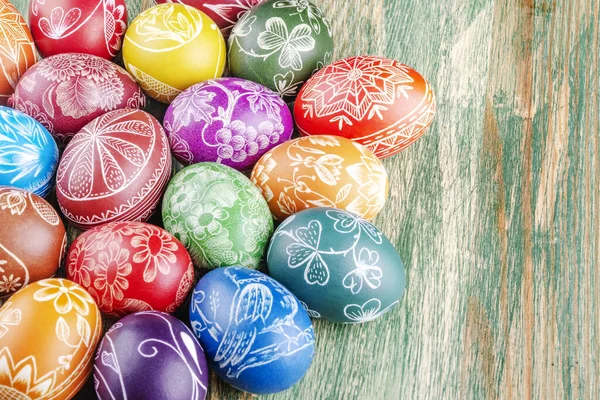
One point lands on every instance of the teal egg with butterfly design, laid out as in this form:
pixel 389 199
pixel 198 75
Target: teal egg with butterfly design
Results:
pixel 341 266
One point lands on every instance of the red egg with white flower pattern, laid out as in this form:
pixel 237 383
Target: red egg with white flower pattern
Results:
pixel 225 13
pixel 114 169
pixel 131 266
pixel 66 91
pixel 380 103
pixel 78 26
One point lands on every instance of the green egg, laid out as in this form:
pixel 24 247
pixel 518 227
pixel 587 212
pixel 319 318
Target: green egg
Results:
pixel 280 44
pixel 219 216
pixel 340 266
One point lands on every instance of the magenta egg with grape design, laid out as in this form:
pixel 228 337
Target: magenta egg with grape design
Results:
pixel 228 120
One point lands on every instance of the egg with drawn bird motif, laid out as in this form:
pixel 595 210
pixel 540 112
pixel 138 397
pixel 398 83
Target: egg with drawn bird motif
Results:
pixel 256 334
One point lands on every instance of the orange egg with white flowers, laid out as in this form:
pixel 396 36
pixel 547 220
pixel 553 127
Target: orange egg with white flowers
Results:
pixel 48 335
pixel 321 171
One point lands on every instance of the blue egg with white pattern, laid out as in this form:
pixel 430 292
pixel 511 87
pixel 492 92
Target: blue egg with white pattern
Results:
pixel 341 266
pixel 28 153
pixel 255 333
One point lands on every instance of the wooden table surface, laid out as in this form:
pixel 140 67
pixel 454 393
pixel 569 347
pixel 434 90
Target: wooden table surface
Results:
pixel 495 211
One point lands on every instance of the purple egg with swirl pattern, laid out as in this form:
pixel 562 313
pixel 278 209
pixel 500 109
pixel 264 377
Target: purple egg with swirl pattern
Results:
pixel 227 120
pixel 150 355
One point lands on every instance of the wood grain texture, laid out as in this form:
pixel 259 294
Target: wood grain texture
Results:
pixel 495 211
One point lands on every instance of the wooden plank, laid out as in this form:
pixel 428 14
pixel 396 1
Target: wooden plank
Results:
pixel 496 210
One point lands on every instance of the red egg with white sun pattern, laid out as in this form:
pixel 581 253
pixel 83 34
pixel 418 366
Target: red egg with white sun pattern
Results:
pixel 66 91
pixel 78 26
pixel 380 103
pixel 225 13
pixel 131 266
pixel 115 169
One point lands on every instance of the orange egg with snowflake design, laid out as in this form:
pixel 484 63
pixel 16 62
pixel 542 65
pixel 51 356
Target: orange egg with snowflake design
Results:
pixel 48 335
pixel 17 52
pixel 321 171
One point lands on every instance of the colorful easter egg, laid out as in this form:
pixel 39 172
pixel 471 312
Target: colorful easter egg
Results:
pixel 256 335
pixel 114 169
pixel 228 120
pixel 219 215
pixel 150 355
pixel 380 103
pixel 78 26
pixel 225 13
pixel 48 333
pixel 131 266
pixel 280 44
pixel 321 171
pixel 66 91
pixel 28 154
pixel 339 265
pixel 170 47
pixel 18 51
pixel 32 239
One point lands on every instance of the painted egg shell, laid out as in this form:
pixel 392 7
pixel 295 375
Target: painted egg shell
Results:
pixel 67 91
pixel 225 13
pixel 114 169
pixel 321 171
pixel 48 334
pixel 28 154
pixel 131 266
pixel 228 120
pixel 78 26
pixel 32 239
pixel 256 334
pixel 219 215
pixel 18 51
pixel 280 44
pixel 150 355
pixel 380 103
pixel 170 47
pixel 339 265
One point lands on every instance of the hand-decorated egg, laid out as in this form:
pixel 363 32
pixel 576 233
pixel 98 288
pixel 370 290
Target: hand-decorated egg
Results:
pixel 28 154
pixel 380 103
pixel 225 13
pixel 114 169
pixel 280 44
pixel 256 335
pixel 339 265
pixel 32 239
pixel 150 355
pixel 321 171
pixel 131 266
pixel 228 120
pixel 78 26
pixel 66 91
pixel 18 51
pixel 219 215
pixel 48 334
pixel 170 47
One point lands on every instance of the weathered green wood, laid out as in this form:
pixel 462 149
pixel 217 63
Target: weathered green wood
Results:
pixel 496 211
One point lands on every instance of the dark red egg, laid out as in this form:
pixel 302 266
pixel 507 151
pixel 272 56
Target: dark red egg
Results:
pixel 66 91
pixel 115 169
pixel 78 26
pixel 131 266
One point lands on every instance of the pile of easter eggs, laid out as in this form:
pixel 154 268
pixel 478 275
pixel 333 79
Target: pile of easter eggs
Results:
pixel 109 212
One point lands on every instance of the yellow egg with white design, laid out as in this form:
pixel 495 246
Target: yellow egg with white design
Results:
pixel 48 335
pixel 170 47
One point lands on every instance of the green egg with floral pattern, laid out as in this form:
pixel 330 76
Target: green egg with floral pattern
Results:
pixel 219 216
pixel 280 44
pixel 340 266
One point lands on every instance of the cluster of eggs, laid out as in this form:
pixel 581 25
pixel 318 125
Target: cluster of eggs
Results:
pixel 76 133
